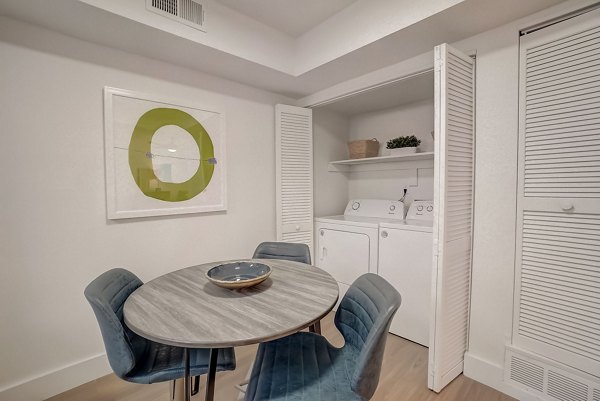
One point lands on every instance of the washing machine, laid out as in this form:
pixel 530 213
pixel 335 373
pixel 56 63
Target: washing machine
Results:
pixel 405 261
pixel 347 245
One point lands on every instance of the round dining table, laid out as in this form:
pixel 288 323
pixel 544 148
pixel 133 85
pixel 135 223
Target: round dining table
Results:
pixel 184 309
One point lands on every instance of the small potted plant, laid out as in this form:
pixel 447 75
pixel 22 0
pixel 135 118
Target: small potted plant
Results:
pixel 403 145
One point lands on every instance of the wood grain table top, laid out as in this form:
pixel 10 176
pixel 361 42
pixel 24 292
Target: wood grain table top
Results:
pixel 184 309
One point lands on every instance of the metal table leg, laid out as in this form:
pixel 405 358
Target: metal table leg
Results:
pixel 187 380
pixel 212 372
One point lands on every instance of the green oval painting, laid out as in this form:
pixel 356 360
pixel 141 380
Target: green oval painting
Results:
pixel 140 156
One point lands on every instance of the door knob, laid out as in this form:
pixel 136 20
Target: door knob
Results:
pixel 384 234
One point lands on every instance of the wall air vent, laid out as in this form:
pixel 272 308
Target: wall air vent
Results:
pixel 527 373
pixel 548 379
pixel 188 12
pixel 564 388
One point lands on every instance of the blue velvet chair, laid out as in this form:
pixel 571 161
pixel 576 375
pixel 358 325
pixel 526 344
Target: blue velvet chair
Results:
pixel 134 358
pixel 287 251
pixel 283 250
pixel 304 366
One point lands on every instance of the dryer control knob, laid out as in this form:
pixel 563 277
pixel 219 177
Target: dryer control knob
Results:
pixel 355 205
pixel 429 208
pixel 384 234
pixel 392 208
pixel 420 208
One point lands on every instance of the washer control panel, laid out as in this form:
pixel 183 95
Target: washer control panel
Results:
pixel 381 208
pixel 420 210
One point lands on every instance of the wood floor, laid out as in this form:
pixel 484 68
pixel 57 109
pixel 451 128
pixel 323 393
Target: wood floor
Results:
pixel 403 378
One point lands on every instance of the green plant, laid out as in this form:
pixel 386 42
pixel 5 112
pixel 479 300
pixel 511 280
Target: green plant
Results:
pixel 409 141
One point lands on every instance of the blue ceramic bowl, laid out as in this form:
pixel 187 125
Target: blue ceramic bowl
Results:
pixel 238 274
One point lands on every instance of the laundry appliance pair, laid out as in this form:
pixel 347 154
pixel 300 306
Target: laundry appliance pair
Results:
pixel 374 236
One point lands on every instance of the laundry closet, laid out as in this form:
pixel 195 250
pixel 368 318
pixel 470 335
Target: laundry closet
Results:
pixel 404 107
pixel 315 178
pixel 368 233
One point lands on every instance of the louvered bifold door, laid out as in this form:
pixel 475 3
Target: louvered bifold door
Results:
pixel 453 209
pixel 294 181
pixel 557 305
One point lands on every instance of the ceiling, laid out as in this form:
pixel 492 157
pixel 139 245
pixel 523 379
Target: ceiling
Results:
pixel 239 48
pixel 409 90
pixel 291 17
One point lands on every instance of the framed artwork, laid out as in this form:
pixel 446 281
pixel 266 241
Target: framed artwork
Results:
pixel 163 157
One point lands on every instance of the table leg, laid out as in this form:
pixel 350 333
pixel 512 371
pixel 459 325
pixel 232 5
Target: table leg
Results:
pixel 187 380
pixel 212 372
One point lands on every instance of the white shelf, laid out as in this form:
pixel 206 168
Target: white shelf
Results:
pixel 381 163
pixel 384 159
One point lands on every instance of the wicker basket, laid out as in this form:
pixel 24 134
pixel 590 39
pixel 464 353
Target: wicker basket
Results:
pixel 363 148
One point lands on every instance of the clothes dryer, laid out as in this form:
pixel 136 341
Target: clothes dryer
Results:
pixel 347 245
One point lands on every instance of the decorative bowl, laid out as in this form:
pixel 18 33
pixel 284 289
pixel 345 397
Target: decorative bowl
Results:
pixel 241 274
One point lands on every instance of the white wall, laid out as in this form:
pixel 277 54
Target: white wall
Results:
pixel 495 202
pixel 54 236
pixel 390 184
pixel 410 119
pixel 330 133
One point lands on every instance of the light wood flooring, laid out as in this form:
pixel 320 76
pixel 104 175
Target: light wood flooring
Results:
pixel 403 378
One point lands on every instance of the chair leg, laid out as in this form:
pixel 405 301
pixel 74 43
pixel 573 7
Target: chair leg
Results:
pixel 177 390
pixel 318 327
pixel 315 328
pixel 196 387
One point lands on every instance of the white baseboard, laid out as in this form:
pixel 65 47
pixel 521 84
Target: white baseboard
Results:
pixel 492 375
pixel 63 379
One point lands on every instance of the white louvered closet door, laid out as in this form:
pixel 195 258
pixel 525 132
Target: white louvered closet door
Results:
pixel 453 208
pixel 557 305
pixel 294 181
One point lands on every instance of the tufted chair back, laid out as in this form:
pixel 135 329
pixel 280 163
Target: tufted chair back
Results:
pixel 107 294
pixel 363 317
pixel 283 250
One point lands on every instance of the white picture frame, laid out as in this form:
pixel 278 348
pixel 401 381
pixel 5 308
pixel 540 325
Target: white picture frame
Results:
pixel 162 156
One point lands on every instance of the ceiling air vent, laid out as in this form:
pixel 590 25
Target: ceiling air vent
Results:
pixel 188 12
